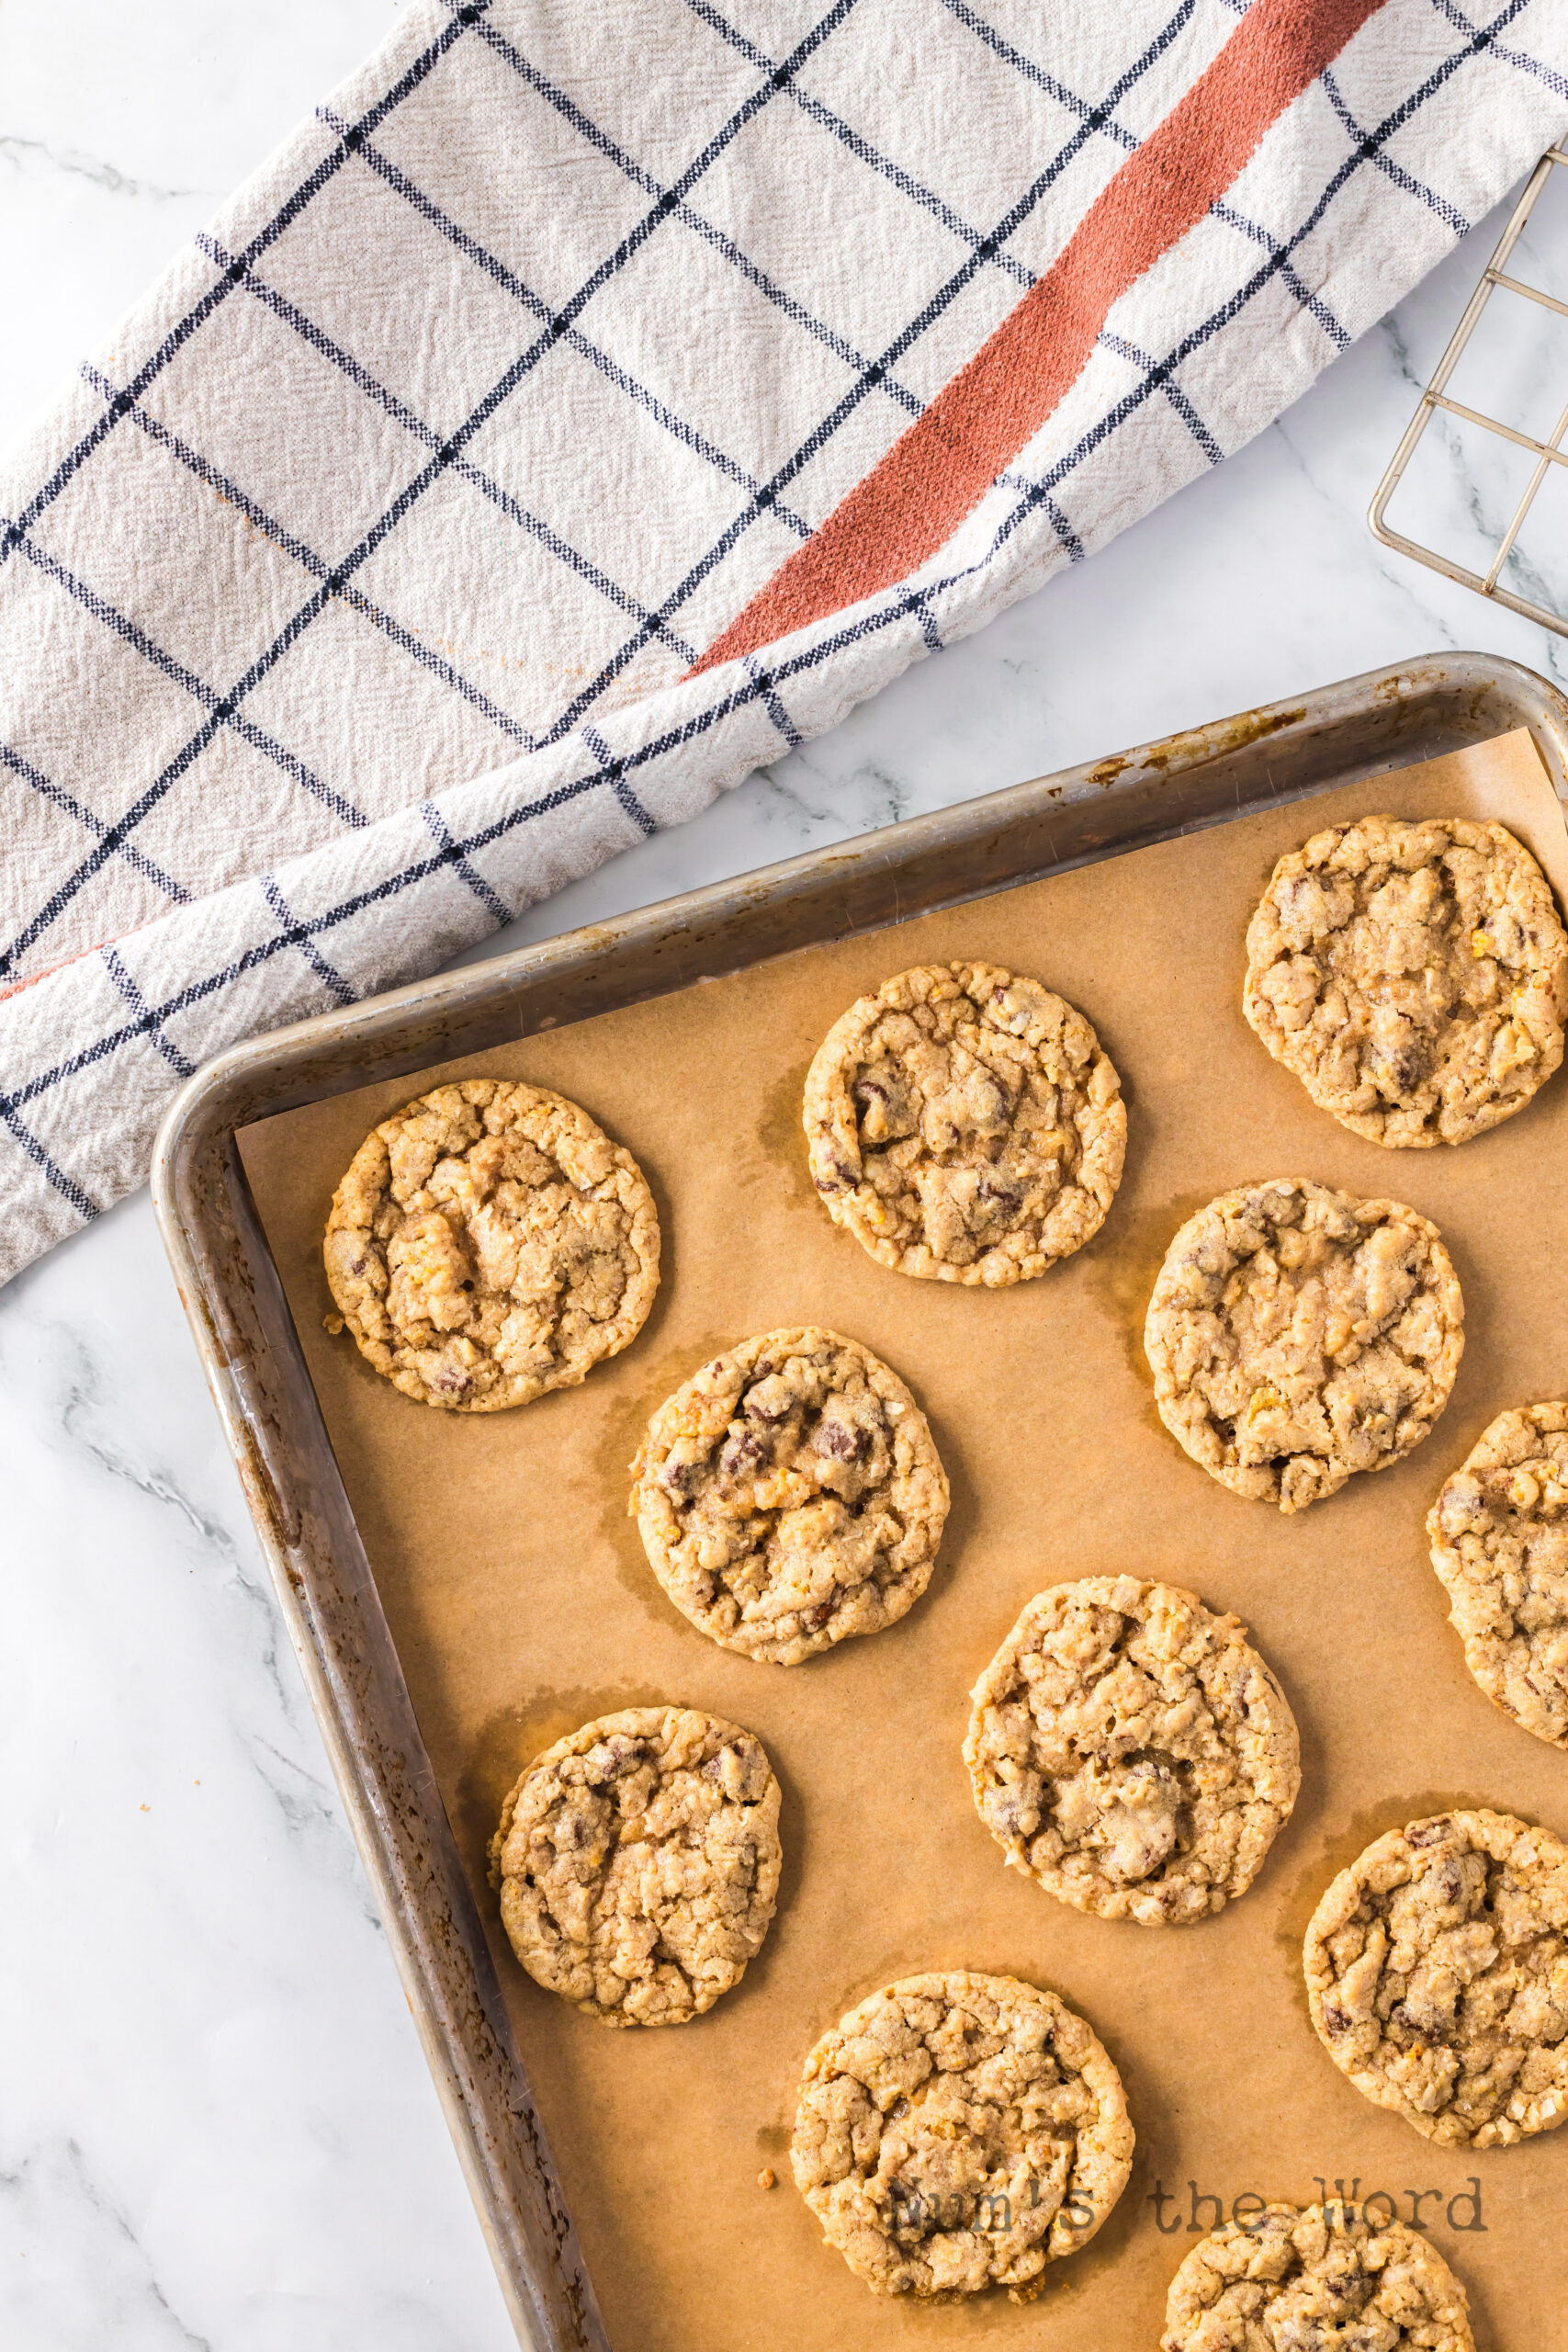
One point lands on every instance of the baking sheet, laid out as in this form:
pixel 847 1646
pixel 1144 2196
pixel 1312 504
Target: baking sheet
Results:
pixel 520 1603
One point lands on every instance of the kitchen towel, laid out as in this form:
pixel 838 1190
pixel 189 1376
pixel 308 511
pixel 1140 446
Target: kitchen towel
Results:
pixel 593 402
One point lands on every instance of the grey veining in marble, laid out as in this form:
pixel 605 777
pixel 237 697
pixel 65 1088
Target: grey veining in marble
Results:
pixel 215 2128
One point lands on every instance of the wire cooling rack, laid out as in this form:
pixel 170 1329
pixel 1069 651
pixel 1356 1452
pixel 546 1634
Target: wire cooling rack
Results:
pixel 1546 452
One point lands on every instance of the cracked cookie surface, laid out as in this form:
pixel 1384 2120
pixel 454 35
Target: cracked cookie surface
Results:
pixel 958 2131
pixel 1131 1752
pixel 1436 1974
pixel 1315 2280
pixel 964 1125
pixel 789 1495
pixel 490 1243
pixel 1413 974
pixel 1499 1538
pixel 1298 1335
pixel 639 1862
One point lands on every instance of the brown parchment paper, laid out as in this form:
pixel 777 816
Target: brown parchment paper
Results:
pixel 521 1604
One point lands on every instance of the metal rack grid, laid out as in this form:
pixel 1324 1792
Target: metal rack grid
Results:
pixel 1546 452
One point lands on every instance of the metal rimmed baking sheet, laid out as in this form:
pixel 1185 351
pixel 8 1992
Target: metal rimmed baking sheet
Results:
pixel 344 1572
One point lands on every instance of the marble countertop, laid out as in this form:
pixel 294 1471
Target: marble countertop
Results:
pixel 216 2125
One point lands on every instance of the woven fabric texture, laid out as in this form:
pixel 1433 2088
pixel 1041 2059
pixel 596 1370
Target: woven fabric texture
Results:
pixel 591 404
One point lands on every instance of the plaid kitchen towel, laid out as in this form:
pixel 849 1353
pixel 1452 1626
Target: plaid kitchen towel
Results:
pixel 593 400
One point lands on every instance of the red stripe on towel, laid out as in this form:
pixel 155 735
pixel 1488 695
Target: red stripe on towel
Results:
pixel 938 471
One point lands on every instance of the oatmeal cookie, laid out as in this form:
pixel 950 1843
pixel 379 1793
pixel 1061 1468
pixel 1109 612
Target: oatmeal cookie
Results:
pixel 489 1243
pixel 964 1125
pixel 1130 1752
pixel 1499 1538
pixel 789 1495
pixel 957 2132
pixel 1324 2277
pixel 1436 1974
pixel 1414 975
pixel 638 1861
pixel 1298 1335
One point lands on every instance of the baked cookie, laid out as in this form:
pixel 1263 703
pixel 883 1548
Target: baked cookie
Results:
pixel 958 2131
pixel 789 1494
pixel 1436 1974
pixel 964 1125
pixel 1130 1752
pixel 1499 1538
pixel 1414 975
pixel 488 1243
pixel 638 1861
pixel 1297 1335
pixel 1323 2276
